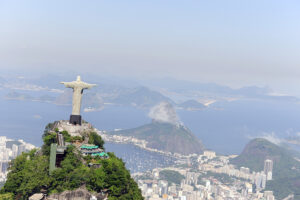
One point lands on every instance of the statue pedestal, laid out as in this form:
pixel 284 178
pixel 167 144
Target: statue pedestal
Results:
pixel 75 119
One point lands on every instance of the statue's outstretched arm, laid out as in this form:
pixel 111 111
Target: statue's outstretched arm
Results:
pixel 68 84
pixel 88 86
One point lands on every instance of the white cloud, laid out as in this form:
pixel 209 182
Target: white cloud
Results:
pixel 270 137
pixel 164 112
pixel 37 116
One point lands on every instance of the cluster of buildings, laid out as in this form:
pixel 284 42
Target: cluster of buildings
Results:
pixel 207 177
pixel 10 149
pixel 123 139
pixel 245 184
pixel 221 166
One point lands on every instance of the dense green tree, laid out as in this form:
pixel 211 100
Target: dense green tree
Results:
pixel 76 138
pixel 29 174
pixel 96 139
pixel 49 128
pixel 96 179
pixel 66 135
pixel 7 196
pixel 48 140
pixel 118 180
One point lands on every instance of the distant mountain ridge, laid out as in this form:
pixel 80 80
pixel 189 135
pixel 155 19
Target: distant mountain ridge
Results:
pixel 166 137
pixel 191 105
pixel 141 97
pixel 141 94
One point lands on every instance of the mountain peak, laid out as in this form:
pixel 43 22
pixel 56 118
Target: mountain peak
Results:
pixel 258 150
pixel 174 138
pixel 286 169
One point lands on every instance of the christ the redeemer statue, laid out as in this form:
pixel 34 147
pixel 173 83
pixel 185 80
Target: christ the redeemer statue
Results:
pixel 78 87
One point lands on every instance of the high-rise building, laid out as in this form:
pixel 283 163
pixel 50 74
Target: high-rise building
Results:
pixel 268 195
pixel 245 170
pixel 3 141
pixel 269 176
pixel 14 150
pixel 264 180
pixel 268 168
pixel 260 180
pixel 21 149
pixel 164 187
pixel 4 166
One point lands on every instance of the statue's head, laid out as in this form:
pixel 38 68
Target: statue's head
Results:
pixel 78 78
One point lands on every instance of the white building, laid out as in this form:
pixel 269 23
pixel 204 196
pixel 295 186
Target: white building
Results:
pixel 268 168
pixel 209 154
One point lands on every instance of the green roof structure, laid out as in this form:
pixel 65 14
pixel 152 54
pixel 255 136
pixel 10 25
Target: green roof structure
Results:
pixel 84 146
pixel 102 154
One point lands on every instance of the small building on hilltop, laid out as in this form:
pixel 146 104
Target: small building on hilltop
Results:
pixel 90 149
pixel 102 154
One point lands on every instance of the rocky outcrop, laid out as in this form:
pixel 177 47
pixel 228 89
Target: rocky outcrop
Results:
pixel 74 130
pixel 78 194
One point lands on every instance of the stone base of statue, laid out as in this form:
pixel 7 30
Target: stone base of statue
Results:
pixel 74 130
pixel 75 119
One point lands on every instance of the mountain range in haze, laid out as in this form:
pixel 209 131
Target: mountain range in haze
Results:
pixel 184 94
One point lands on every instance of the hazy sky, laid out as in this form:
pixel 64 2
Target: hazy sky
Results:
pixel 237 43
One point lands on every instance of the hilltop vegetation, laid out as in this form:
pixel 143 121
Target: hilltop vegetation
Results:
pixel 30 173
pixel 171 176
pixel 286 170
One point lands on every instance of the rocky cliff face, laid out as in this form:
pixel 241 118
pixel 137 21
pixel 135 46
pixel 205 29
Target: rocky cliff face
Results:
pixel 74 130
pixel 78 194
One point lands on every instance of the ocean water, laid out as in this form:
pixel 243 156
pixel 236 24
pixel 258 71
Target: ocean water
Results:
pixel 229 129
pixel 137 159
pixel 27 119
pixel 226 130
